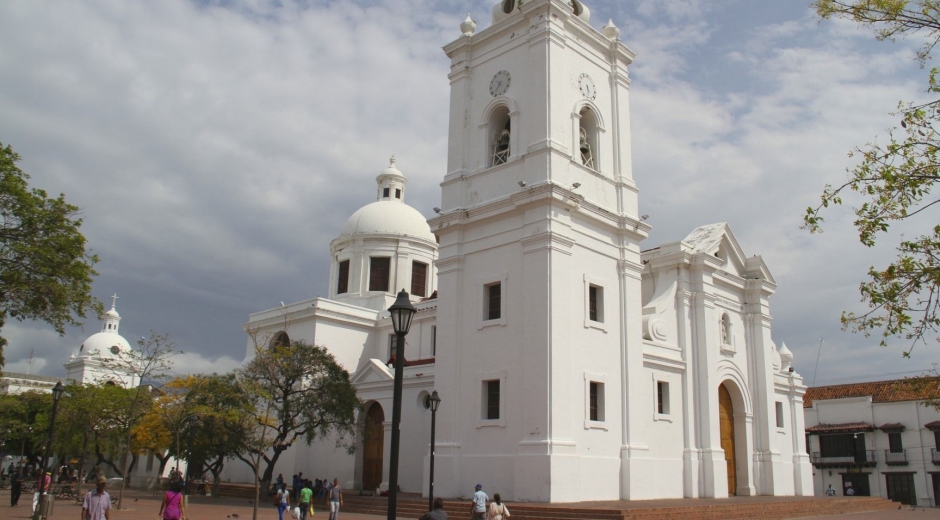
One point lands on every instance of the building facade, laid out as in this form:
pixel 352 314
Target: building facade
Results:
pixel 879 438
pixel 572 364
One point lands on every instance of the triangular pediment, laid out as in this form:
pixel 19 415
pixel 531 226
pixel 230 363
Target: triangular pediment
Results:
pixel 372 371
pixel 718 240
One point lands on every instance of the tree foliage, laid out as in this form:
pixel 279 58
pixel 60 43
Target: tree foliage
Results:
pixel 895 180
pixel 302 393
pixel 45 271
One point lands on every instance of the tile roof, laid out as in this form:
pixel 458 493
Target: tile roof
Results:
pixel 910 389
pixel 934 425
pixel 841 428
pixel 892 427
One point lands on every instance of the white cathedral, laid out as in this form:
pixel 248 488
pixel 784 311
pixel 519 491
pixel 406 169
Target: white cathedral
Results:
pixel 571 364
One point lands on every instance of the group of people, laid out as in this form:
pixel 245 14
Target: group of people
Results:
pixel 479 509
pixel 302 494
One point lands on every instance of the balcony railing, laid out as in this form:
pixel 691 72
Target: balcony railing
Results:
pixel 934 456
pixel 864 458
pixel 896 458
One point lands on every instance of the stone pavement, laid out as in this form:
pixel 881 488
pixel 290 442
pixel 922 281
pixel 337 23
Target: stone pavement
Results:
pixel 140 505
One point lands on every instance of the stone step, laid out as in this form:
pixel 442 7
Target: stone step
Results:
pixel 775 510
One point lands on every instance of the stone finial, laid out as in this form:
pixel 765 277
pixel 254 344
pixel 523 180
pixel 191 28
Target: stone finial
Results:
pixel 611 31
pixel 468 26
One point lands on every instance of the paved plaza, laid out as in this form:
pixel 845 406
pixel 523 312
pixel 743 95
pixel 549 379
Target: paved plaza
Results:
pixel 139 505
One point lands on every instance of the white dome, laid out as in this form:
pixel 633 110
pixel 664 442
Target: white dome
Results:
pixel 388 217
pixel 104 345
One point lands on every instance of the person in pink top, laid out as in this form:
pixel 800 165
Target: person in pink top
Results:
pixel 172 507
pixel 42 488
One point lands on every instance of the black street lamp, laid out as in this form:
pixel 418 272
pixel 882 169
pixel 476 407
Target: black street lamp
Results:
pixel 190 425
pixel 433 401
pixel 402 311
pixel 57 392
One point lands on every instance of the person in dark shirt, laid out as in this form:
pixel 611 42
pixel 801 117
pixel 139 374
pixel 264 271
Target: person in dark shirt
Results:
pixel 437 513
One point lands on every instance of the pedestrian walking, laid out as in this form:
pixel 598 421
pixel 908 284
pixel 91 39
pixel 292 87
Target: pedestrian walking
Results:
pixel 478 504
pixel 305 495
pixel 172 507
pixel 283 500
pixel 497 510
pixel 334 499
pixel 97 503
pixel 16 486
pixel 42 487
pixel 437 512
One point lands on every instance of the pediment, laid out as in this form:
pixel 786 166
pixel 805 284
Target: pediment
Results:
pixel 718 240
pixel 372 371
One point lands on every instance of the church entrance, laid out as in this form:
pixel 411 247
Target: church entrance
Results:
pixel 373 447
pixel 726 422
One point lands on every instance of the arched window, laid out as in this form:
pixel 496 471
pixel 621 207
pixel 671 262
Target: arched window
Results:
pixel 587 139
pixel 499 130
pixel 281 339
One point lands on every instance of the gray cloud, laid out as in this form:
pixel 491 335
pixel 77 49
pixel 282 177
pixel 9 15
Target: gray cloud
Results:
pixel 216 148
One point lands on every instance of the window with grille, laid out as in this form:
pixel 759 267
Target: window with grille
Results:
pixel 596 401
pixel 342 283
pixel 379 268
pixel 491 399
pixel 419 278
pixel 596 303
pixel 493 301
pixel 662 397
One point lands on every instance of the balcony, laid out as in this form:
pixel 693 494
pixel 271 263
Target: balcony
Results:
pixel 896 458
pixel 934 455
pixel 861 459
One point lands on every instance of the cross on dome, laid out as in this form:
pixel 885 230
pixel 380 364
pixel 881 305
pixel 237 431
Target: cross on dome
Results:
pixel 114 298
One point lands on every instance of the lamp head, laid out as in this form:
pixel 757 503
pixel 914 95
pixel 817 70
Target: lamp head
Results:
pixel 434 401
pixel 436 209
pixel 576 185
pixel 402 312
pixel 57 391
pixel 522 184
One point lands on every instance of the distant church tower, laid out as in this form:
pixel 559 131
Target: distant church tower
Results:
pixel 103 357
pixel 539 262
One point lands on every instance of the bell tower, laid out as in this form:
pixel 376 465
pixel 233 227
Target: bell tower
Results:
pixel 539 265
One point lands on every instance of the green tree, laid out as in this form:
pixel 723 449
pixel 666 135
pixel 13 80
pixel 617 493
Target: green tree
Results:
pixel 45 271
pixel 895 181
pixel 302 393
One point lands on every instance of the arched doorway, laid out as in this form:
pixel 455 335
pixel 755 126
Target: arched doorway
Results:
pixel 373 443
pixel 726 422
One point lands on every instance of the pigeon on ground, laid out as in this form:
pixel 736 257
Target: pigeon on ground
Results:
pixel 234 515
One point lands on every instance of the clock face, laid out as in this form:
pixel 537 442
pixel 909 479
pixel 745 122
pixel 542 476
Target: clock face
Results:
pixel 586 84
pixel 500 83
pixel 115 350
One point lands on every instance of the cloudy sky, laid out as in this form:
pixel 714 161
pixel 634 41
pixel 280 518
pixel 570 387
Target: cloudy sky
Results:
pixel 216 147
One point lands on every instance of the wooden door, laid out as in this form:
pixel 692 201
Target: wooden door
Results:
pixel 901 488
pixel 373 448
pixel 726 420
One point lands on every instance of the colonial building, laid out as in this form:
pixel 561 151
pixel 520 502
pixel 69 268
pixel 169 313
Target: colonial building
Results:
pixel 572 365
pixel 878 438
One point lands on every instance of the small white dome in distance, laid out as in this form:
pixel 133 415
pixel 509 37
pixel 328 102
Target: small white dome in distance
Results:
pixel 468 26
pixel 611 31
pixel 786 357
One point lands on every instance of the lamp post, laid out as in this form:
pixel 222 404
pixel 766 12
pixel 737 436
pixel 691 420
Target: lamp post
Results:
pixel 57 392
pixel 434 401
pixel 402 311
pixel 190 425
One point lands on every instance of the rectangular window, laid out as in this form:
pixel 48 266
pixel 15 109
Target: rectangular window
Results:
pixel 894 442
pixel 596 303
pixel 491 399
pixel 342 284
pixel 662 397
pixel 392 345
pixel 597 401
pixel 779 414
pixel 397 193
pixel 936 439
pixel 837 445
pixel 434 340
pixel 419 278
pixel 493 301
pixel 385 192
pixel 379 268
